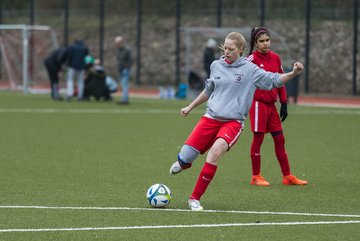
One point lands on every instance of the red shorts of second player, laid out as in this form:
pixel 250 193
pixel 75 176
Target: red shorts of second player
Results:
pixel 208 130
pixel 264 117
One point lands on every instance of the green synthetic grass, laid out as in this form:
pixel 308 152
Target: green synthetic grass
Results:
pixel 88 155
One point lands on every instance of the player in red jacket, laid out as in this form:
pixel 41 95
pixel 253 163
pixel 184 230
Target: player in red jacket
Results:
pixel 263 114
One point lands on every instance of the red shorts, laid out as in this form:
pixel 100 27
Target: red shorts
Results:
pixel 264 117
pixel 208 130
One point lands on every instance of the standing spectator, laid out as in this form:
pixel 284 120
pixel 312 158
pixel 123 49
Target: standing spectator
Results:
pixel 124 61
pixel 53 64
pixel 264 117
pixel 76 68
pixel 229 93
pixel 209 55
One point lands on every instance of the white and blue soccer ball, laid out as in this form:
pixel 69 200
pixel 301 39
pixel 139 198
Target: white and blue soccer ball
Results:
pixel 158 195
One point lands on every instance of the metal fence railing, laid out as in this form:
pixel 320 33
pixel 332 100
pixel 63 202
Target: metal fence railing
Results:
pixel 322 34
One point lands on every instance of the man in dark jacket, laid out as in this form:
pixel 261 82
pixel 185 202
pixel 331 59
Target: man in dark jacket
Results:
pixel 53 64
pixel 124 62
pixel 76 68
pixel 209 55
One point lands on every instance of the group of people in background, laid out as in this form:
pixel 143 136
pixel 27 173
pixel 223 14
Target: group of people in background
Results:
pixel 88 73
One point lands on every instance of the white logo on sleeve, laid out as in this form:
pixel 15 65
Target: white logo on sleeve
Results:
pixel 206 179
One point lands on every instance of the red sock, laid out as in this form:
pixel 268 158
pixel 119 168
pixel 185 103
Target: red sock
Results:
pixel 255 152
pixel 206 175
pixel 281 154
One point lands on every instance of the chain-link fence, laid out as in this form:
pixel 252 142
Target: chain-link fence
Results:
pixel 151 26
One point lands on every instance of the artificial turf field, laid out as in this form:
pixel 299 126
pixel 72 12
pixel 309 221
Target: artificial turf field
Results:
pixel 80 171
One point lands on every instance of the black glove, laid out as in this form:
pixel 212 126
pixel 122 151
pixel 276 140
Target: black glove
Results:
pixel 283 112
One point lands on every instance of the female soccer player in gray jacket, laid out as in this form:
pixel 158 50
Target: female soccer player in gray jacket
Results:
pixel 229 93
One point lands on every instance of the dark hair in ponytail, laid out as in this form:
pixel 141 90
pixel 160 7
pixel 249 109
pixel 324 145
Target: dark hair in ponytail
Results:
pixel 255 33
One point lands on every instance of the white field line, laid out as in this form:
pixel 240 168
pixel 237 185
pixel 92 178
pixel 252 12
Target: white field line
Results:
pixel 184 210
pixel 88 111
pixel 334 105
pixel 178 226
pixel 156 111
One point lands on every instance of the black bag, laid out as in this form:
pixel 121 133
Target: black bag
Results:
pixel 95 85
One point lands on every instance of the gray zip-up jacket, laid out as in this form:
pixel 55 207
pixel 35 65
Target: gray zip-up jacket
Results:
pixel 231 88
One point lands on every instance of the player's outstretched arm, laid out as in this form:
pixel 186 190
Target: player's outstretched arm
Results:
pixel 297 69
pixel 202 97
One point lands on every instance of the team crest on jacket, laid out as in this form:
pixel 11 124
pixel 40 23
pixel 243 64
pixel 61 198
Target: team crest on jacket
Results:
pixel 238 77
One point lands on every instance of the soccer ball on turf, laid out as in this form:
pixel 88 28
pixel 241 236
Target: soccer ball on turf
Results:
pixel 158 195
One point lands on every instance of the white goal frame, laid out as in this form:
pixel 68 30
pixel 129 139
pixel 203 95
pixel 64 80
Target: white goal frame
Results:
pixel 25 30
